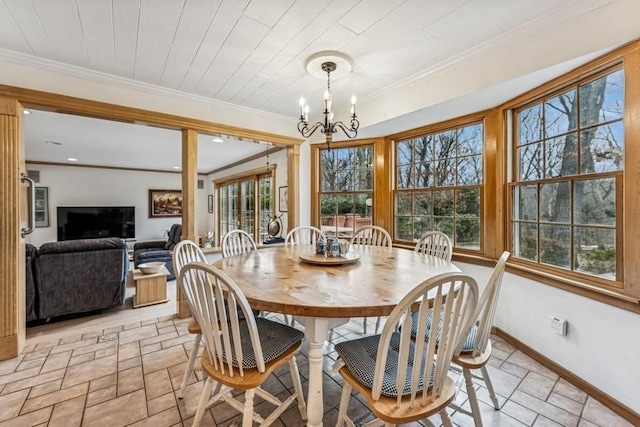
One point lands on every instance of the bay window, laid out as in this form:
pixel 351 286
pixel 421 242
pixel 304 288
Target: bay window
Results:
pixel 568 175
pixel 346 189
pixel 439 179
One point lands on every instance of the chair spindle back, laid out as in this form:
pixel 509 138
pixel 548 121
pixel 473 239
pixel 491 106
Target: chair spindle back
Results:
pixel 237 242
pixel 303 235
pixel 486 309
pixel 214 299
pixel 371 235
pixel 435 243
pixel 453 297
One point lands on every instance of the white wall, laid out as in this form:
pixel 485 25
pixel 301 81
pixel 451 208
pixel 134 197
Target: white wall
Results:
pixel 78 186
pixel 602 344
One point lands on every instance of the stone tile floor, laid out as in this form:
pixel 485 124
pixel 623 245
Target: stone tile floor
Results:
pixel 129 375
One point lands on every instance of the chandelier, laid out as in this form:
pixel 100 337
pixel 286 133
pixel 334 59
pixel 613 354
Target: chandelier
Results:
pixel 328 126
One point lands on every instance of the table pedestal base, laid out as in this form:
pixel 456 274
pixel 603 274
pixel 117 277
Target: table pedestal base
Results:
pixel 316 331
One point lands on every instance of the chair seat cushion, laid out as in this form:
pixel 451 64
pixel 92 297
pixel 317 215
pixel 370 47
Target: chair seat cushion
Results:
pixel 359 356
pixel 468 345
pixel 275 339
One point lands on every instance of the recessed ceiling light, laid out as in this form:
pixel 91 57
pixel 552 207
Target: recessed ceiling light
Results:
pixel 218 140
pixel 72 159
pixel 176 167
pixel 27 112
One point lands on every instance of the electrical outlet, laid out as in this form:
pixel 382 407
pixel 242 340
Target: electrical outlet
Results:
pixel 559 325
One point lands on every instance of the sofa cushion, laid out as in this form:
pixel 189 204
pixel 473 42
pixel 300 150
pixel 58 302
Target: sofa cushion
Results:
pixel 153 256
pixel 82 245
pixel 174 237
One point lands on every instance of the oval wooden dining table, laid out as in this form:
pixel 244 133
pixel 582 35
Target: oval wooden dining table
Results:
pixel 322 297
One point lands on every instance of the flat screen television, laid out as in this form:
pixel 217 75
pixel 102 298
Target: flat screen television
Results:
pixel 93 222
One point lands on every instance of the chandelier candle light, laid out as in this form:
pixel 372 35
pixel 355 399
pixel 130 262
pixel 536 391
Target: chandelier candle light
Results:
pixel 328 127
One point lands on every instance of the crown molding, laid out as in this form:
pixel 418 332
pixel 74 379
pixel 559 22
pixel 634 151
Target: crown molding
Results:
pixel 22 59
pixel 517 34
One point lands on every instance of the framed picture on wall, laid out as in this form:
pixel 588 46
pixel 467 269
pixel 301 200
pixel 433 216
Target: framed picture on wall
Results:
pixel 41 208
pixel 165 203
pixel 283 199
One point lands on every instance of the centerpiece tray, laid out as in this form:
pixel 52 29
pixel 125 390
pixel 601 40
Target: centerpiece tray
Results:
pixel 343 259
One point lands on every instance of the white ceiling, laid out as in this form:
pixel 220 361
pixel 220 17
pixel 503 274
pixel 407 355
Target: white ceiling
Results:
pixel 251 53
pixel 53 138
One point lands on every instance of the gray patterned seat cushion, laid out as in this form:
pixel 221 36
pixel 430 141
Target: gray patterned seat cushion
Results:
pixel 275 339
pixel 468 344
pixel 359 356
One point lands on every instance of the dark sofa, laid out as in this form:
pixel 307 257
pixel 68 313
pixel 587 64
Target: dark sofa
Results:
pixel 76 276
pixel 158 250
pixel 32 301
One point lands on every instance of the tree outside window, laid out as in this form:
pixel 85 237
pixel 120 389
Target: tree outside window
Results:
pixel 569 160
pixel 439 180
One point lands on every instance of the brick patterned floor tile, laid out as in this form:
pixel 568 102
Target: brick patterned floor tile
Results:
pixel 130 375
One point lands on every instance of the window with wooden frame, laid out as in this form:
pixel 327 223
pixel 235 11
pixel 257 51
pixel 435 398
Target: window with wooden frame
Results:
pixel 346 189
pixel 566 190
pixel 246 203
pixel 439 185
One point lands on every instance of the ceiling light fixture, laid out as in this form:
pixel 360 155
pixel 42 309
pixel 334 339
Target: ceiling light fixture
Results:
pixel 72 159
pixel 176 167
pixel 27 112
pixel 218 140
pixel 328 62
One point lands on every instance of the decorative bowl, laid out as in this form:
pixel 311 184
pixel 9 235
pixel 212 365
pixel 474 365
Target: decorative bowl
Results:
pixel 151 267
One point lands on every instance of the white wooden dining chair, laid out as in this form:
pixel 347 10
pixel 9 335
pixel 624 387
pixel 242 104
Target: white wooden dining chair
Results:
pixel 371 235
pixel 477 348
pixel 240 354
pixel 401 379
pixel 435 243
pixel 237 242
pixel 303 235
pixel 185 252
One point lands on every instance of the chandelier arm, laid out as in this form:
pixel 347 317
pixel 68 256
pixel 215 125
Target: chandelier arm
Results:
pixel 355 124
pixel 307 131
pixel 302 126
pixel 351 132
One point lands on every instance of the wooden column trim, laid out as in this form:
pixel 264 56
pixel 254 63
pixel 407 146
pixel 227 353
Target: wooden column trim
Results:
pixel 189 202
pixel 189 183
pixel 12 248
pixel 492 211
pixel 631 183
pixel 103 110
pixel 382 208
pixel 313 187
pixel 293 183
